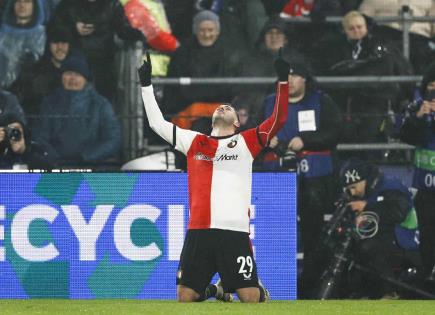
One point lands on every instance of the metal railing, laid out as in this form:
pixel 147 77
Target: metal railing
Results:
pixel 325 80
pixel 373 146
pixel 135 142
pixel 130 101
pixel 405 18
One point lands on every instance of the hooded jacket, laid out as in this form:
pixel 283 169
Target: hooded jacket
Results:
pixel 20 45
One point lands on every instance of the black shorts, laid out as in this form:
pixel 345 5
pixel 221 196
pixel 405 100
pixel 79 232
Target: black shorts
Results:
pixel 206 252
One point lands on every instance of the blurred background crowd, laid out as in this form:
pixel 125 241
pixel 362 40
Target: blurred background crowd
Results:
pixel 67 68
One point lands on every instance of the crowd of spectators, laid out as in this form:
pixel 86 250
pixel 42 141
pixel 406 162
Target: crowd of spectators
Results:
pixel 359 46
pixel 217 38
pixel 58 79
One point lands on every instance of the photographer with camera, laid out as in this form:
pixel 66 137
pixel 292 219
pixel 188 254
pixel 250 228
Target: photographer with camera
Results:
pixel 385 223
pixel 16 148
pixel 419 129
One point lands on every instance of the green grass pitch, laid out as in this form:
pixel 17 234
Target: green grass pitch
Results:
pixel 145 307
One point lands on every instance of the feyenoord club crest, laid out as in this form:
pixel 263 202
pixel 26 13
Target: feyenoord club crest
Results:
pixel 232 144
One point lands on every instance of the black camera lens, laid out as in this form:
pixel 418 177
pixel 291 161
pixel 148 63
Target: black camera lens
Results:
pixel 13 134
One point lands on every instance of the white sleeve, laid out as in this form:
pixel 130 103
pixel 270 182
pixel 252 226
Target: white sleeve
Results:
pixel 179 138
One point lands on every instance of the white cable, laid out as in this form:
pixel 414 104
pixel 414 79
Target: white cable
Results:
pixel 368 225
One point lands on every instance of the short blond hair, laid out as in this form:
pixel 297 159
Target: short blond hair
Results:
pixel 350 16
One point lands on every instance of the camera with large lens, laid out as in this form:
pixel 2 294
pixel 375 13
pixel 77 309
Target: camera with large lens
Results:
pixel 13 134
pixel 338 238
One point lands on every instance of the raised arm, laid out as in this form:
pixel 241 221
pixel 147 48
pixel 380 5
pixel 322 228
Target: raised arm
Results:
pixel 177 137
pixel 277 119
pixel 155 117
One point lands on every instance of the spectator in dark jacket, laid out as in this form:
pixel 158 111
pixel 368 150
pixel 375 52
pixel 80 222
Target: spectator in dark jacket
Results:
pixel 241 21
pixel 203 56
pixel 421 34
pixel 22 37
pixel 275 35
pixel 93 24
pixel 43 77
pixel 76 121
pixel 358 53
pixel 310 136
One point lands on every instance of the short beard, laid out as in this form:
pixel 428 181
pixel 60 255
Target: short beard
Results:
pixel 220 121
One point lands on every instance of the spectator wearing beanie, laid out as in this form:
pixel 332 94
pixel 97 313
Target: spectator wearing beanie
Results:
pixel 77 121
pixel 260 63
pixel 38 80
pixel 203 21
pixel 203 55
pixel 241 22
pixel 310 134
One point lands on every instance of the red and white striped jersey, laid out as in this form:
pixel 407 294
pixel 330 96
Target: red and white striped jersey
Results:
pixel 219 168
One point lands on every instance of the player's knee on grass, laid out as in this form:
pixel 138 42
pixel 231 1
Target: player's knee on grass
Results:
pixel 185 294
pixel 249 295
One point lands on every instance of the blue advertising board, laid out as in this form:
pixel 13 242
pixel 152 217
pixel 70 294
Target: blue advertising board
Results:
pixel 119 235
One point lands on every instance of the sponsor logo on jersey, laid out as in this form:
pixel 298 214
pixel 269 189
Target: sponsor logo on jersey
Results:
pixel 225 157
pixel 202 157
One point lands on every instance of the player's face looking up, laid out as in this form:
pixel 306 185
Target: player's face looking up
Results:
pixel 355 28
pixel 225 115
pixel 208 33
